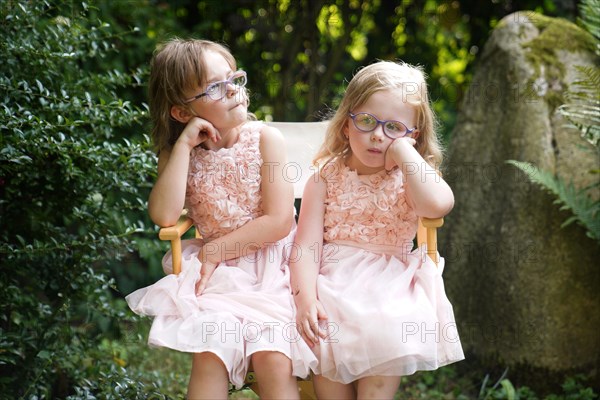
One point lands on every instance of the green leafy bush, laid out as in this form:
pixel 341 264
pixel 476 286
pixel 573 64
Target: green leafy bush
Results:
pixel 73 184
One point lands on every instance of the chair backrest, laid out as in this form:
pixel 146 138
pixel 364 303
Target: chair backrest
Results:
pixel 303 140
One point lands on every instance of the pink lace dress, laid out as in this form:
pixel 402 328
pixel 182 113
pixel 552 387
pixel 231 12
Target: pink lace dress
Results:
pixel 387 308
pixel 246 306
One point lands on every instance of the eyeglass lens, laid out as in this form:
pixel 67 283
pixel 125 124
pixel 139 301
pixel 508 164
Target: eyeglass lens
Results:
pixel 218 90
pixel 367 123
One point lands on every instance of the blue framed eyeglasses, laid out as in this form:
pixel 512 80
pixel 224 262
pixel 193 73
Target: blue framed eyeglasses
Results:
pixel 218 90
pixel 366 122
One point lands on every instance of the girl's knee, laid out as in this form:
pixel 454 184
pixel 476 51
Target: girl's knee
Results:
pixel 378 387
pixel 206 357
pixel 207 362
pixel 272 361
pixel 328 389
pixel 274 373
pixel 209 377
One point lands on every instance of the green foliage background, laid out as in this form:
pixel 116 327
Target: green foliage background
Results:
pixel 76 165
pixel 73 191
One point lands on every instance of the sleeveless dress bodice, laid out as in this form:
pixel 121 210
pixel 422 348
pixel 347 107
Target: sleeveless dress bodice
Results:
pixel 223 187
pixel 369 209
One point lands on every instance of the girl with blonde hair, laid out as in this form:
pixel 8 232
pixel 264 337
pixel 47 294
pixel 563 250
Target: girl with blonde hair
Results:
pixel 372 308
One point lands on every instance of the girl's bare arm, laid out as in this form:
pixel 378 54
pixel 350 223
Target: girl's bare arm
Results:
pixel 306 260
pixel 277 203
pixel 167 198
pixel 427 192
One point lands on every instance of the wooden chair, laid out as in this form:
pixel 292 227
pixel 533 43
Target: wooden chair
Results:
pixel 303 139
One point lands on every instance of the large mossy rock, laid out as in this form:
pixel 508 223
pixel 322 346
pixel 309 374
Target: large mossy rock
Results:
pixel 526 292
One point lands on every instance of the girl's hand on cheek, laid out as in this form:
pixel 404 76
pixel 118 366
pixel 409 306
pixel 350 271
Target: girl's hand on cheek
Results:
pixel 394 153
pixel 198 131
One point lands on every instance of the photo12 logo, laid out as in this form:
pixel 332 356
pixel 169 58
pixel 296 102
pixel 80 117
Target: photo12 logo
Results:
pixel 253 332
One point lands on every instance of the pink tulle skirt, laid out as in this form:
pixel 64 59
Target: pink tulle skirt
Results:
pixel 245 308
pixel 388 314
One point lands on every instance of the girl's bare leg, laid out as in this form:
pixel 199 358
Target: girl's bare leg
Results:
pixel 274 375
pixel 328 389
pixel 209 378
pixel 377 387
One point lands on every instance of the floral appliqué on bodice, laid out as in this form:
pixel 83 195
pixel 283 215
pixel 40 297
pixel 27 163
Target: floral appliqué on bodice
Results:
pixel 367 209
pixel 223 186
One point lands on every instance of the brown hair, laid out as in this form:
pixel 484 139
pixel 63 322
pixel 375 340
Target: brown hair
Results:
pixel 384 75
pixel 176 67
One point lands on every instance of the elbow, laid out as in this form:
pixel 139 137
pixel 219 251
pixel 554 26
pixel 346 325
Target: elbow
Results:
pixel 438 207
pixel 444 203
pixel 165 223
pixel 163 220
pixel 445 207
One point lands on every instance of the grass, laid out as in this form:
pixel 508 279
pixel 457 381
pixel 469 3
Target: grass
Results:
pixel 169 370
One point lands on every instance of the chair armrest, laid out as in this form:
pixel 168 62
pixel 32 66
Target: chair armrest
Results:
pixel 176 231
pixel 427 233
pixel 432 222
pixel 174 234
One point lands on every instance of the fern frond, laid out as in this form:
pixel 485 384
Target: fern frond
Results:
pixel 582 112
pixel 582 109
pixel 587 85
pixel 591 78
pixel 584 118
pixel 590 16
pixel 586 211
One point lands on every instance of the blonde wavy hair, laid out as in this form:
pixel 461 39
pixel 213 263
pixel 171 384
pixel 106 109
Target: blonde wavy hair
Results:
pixel 384 75
pixel 177 67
